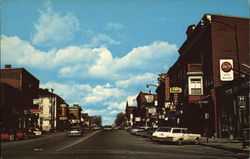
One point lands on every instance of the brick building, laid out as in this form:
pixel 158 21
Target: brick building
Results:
pixel 75 114
pixel 147 109
pixel 131 113
pixel 26 87
pixel 215 54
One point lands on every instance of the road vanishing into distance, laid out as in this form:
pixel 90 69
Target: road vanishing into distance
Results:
pixel 101 144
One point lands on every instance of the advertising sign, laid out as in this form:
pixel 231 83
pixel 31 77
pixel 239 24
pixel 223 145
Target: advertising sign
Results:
pixel 34 111
pixel 175 90
pixel 226 70
pixel 37 101
pixel 152 110
pixel 137 119
pixel 149 98
pixel 62 118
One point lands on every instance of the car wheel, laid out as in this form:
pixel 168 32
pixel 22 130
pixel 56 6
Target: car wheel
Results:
pixel 196 141
pixel 179 142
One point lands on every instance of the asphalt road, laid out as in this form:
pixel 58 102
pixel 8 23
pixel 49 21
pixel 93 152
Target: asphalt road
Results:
pixel 116 144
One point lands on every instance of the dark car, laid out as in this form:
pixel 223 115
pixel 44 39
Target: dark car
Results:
pixel 107 127
pixel 75 131
pixel 147 132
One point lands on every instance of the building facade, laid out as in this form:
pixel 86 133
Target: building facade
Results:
pixel 20 81
pixel 213 58
pixel 147 109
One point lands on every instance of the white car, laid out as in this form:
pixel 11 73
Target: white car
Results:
pixel 36 131
pixel 177 135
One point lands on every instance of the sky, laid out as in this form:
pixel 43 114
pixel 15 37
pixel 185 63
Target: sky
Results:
pixel 101 53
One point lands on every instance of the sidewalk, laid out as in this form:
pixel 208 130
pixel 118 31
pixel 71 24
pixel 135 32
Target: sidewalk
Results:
pixel 225 144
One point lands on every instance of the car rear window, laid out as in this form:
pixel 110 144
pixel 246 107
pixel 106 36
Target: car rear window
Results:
pixel 164 130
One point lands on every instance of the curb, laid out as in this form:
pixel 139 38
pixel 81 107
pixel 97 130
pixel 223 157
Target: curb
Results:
pixel 236 150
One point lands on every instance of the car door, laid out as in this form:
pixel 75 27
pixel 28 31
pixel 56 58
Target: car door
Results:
pixel 177 134
pixel 185 136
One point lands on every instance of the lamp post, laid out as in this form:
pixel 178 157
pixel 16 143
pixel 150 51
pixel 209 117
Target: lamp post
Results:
pixel 52 109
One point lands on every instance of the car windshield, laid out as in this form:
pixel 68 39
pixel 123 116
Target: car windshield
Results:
pixel 163 129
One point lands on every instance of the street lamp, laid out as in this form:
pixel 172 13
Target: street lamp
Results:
pixel 148 85
pixel 52 109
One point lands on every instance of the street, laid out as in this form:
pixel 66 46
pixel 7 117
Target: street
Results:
pixel 105 144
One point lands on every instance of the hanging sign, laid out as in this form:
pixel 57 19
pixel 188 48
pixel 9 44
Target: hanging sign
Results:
pixel 226 70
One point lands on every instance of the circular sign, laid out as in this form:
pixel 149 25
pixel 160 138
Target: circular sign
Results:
pixel 226 67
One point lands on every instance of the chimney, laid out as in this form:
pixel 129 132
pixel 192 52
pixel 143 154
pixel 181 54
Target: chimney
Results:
pixel 7 66
pixel 190 29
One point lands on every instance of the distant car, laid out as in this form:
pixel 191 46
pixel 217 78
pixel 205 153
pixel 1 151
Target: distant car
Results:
pixel 107 127
pixel 176 135
pixel 147 132
pixel 74 131
pixel 136 130
pixel 96 128
pixel 36 131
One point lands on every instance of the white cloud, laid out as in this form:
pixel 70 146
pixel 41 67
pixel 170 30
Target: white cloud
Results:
pixel 71 92
pixel 52 29
pixel 78 61
pixel 113 26
pixel 103 93
pixel 137 80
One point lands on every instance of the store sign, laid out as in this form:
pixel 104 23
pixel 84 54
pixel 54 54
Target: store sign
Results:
pixel 34 111
pixel 62 118
pixel 137 119
pixel 152 110
pixel 242 100
pixel 175 90
pixel 167 104
pixel 149 98
pixel 37 101
pixel 226 70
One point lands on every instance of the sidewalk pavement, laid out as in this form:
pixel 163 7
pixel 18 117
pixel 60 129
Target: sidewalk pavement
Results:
pixel 225 144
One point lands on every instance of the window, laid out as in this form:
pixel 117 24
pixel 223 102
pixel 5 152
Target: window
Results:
pixel 195 86
pixel 176 130
pixel 164 130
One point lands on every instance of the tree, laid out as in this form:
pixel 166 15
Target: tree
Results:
pixel 120 119
pixel 96 120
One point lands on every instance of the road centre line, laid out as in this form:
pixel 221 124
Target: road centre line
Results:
pixel 86 137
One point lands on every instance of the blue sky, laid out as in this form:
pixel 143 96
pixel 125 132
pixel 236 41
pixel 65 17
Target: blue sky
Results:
pixel 101 53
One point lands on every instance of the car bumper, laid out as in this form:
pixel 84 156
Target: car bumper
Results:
pixel 163 139
pixel 74 134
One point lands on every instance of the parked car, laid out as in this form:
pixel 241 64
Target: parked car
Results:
pixel 75 131
pixel 36 131
pixel 7 136
pixel 20 134
pixel 135 130
pixel 107 127
pixel 176 135
pixel 96 128
pixel 147 132
pixel 30 134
